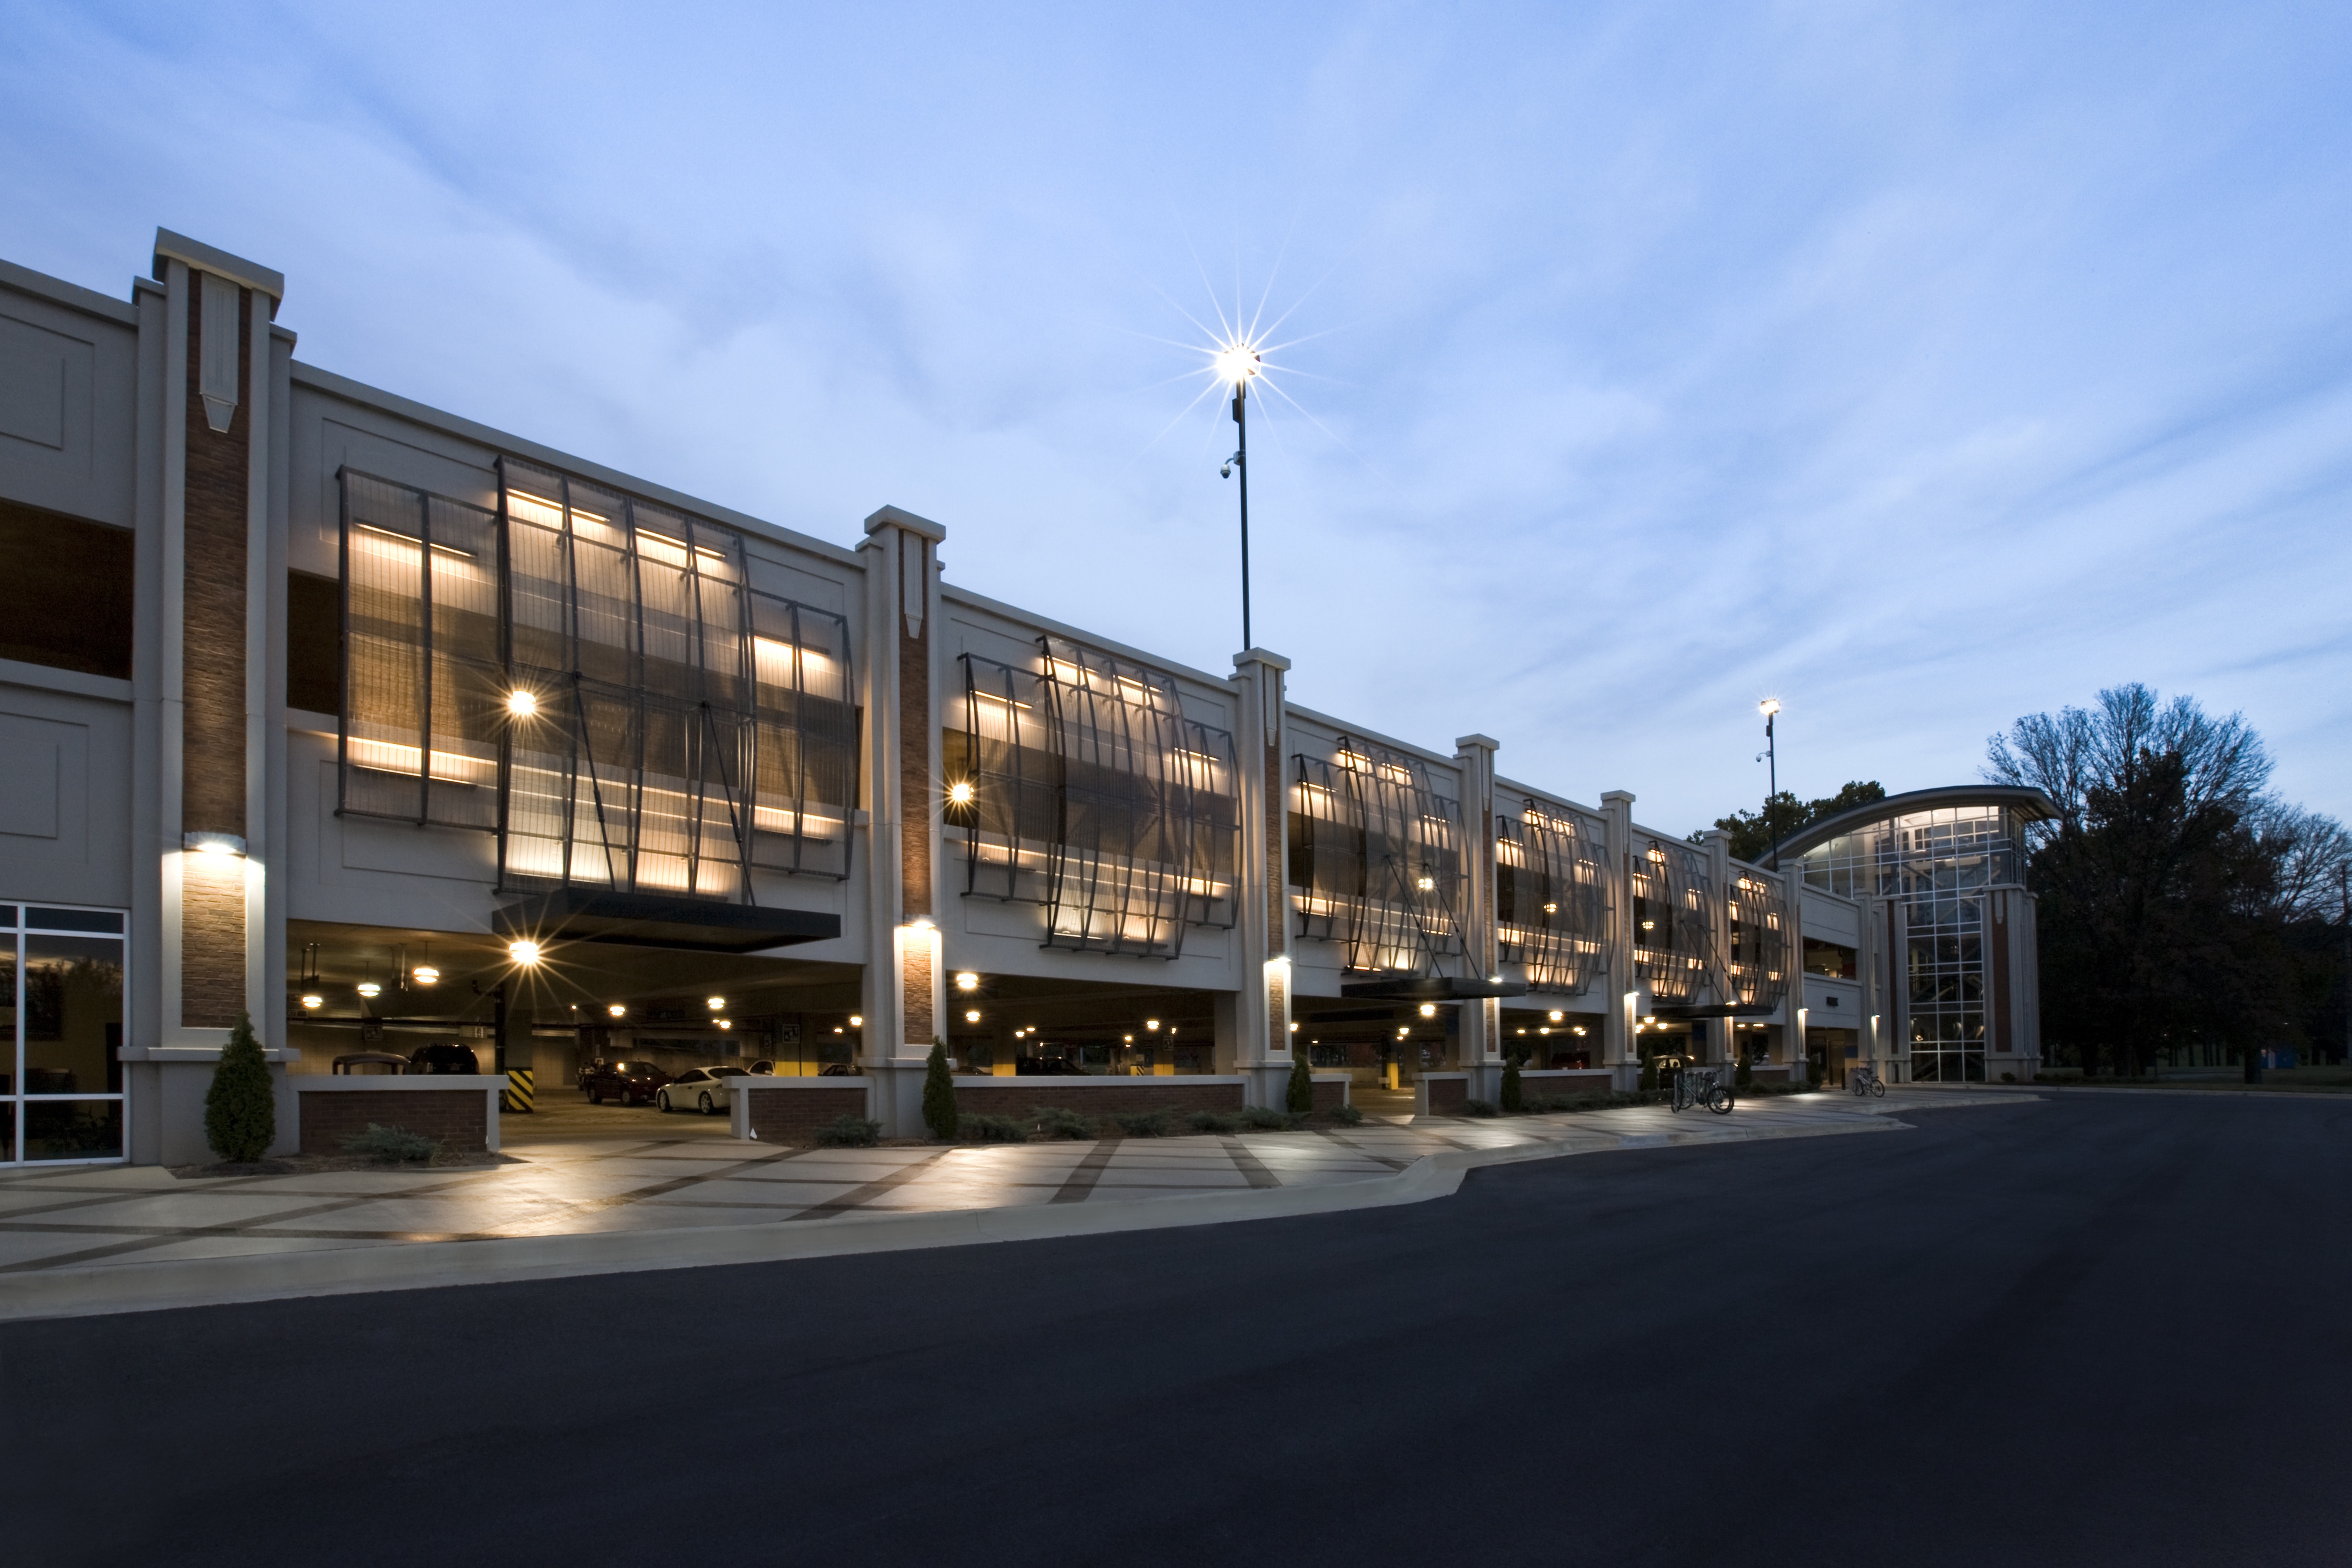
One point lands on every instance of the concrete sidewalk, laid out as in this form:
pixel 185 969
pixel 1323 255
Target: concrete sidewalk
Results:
pixel 86 1240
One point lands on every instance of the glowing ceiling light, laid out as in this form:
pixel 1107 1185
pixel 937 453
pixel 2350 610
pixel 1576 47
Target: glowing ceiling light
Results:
pixel 312 999
pixel 1429 1009
pixel 1555 1015
pixel 524 952
pixel 522 704
pixel 1427 884
pixel 1152 1024
pixel 726 1023
pixel 369 988
pixel 425 975
pixel 967 980
pixel 619 1010
pixel 972 1017
pixel 960 793
pixel 856 1021
pixel 715 1003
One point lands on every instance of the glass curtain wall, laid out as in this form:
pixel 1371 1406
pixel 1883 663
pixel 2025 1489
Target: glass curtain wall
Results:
pixel 1549 905
pixel 1376 859
pixel 61 998
pixel 597 678
pixel 1083 785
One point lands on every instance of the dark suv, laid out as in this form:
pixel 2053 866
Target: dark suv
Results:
pixel 446 1057
pixel 631 1083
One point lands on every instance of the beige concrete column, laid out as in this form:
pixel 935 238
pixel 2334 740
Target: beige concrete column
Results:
pixel 1482 1021
pixel 904 990
pixel 1260 1010
pixel 1624 986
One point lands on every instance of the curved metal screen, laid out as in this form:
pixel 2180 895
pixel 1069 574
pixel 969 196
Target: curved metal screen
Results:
pixel 1092 794
pixel 1673 942
pixel 1376 858
pixel 603 682
pixel 1759 940
pixel 1549 903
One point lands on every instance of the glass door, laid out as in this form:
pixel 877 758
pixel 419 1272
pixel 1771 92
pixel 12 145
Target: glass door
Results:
pixel 64 1032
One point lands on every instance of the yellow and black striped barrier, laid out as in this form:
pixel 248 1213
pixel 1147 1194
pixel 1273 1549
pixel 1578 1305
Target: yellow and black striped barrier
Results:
pixel 518 1090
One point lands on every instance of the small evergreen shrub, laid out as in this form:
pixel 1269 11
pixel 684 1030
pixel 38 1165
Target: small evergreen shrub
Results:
pixel 1054 1122
pixel 1148 1124
pixel 938 1094
pixel 849 1133
pixel 1268 1120
pixel 240 1110
pixel 996 1130
pixel 2009 1078
pixel 392 1145
pixel 1514 1097
pixel 1214 1122
pixel 1479 1108
pixel 1301 1098
pixel 1812 1074
pixel 1649 1074
pixel 1742 1077
pixel 1346 1115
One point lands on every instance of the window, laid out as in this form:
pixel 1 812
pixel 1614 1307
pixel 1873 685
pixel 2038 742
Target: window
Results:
pixel 65 591
pixel 61 1011
pixel 1828 958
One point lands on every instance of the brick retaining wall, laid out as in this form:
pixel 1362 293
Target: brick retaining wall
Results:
pixel 454 1116
pixel 1101 1097
pixel 1446 1095
pixel 793 1115
pixel 1329 1094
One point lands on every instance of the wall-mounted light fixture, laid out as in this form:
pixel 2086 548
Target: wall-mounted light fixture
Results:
pixel 213 843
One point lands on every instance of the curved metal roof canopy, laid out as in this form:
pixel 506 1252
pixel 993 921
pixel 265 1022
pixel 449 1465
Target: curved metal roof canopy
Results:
pixel 2029 803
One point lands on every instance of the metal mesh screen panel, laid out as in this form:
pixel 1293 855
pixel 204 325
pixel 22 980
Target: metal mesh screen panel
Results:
pixel 423 697
pixel 1376 856
pixel 1673 940
pixel 1759 940
pixel 1094 795
pixel 1549 902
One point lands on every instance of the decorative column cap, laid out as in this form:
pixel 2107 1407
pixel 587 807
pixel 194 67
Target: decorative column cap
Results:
pixel 1617 796
pixel 169 247
pixel 897 517
pixel 1248 656
pixel 1482 742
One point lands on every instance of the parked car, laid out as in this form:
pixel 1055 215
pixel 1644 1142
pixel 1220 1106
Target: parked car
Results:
pixel 631 1083
pixel 699 1088
pixel 358 1061
pixel 445 1056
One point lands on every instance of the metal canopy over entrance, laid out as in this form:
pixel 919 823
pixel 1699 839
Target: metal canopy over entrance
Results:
pixel 644 920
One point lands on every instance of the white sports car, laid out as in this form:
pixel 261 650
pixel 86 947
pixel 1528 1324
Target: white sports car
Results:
pixel 700 1089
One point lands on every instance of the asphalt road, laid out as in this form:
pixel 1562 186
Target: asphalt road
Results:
pixel 2099 1331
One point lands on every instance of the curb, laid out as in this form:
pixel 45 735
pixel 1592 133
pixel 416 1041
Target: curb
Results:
pixel 105 1289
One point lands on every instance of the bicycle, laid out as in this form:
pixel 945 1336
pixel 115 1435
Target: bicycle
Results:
pixel 1865 1080
pixel 1702 1086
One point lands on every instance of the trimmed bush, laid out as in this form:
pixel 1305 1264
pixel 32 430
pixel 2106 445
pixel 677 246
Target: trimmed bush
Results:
pixel 1813 1075
pixel 1478 1107
pixel 938 1094
pixel 1649 1074
pixel 1301 1098
pixel 392 1145
pixel 996 1130
pixel 1054 1122
pixel 240 1110
pixel 1214 1122
pixel 849 1133
pixel 1265 1119
pixel 1515 1098
pixel 1346 1115
pixel 1148 1124
pixel 1742 1077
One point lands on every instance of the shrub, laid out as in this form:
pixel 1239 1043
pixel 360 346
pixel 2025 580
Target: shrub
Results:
pixel 849 1133
pixel 1742 1077
pixel 1479 1108
pixel 1054 1122
pixel 240 1110
pixel 1147 1124
pixel 1812 1074
pixel 2009 1078
pixel 394 1145
pixel 1267 1120
pixel 1214 1122
pixel 1346 1115
pixel 1514 1097
pixel 1649 1074
pixel 996 1130
pixel 1301 1098
pixel 938 1094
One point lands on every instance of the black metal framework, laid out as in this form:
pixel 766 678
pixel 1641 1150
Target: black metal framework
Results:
pixel 1759 941
pixel 1673 937
pixel 1092 794
pixel 1551 902
pixel 1376 859
pixel 595 678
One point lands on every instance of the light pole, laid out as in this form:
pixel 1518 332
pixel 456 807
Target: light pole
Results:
pixel 1237 364
pixel 1770 709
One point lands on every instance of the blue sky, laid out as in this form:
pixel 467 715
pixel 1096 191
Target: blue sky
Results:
pixel 1923 365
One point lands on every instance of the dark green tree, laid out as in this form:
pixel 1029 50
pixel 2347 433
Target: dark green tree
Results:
pixel 1515 1098
pixel 940 1112
pixel 240 1107
pixel 1753 832
pixel 1301 1098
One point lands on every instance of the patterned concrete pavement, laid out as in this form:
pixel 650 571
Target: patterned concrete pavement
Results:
pixel 584 1175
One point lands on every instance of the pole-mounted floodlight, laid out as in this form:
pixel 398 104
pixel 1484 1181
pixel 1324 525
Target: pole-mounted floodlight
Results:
pixel 1237 362
pixel 1770 709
